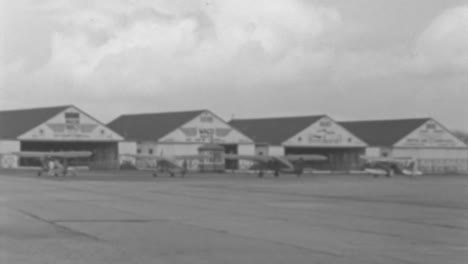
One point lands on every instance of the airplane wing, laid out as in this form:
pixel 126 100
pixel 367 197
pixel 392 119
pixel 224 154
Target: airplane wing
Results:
pixel 398 160
pixel 285 162
pixel 166 158
pixel 306 157
pixel 168 161
pixel 57 154
pixel 192 157
pixel 379 172
pixel 257 158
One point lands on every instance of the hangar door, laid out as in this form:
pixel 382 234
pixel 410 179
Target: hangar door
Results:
pixel 338 158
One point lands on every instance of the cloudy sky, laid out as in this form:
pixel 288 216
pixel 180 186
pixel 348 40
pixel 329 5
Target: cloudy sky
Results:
pixel 360 59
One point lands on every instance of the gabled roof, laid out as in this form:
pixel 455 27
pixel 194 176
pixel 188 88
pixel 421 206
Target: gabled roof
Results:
pixel 273 131
pixel 383 132
pixel 13 123
pixel 151 126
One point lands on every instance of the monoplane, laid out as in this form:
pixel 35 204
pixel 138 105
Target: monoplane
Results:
pixel 288 163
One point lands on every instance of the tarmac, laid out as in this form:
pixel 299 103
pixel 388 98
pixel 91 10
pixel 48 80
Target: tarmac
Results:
pixel 130 217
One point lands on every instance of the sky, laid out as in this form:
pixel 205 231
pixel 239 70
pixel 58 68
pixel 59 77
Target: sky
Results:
pixel 351 60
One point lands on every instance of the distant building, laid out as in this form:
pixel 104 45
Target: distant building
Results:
pixel 61 128
pixel 181 133
pixel 435 148
pixel 304 135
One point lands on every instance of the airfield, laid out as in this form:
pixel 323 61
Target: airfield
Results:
pixel 130 217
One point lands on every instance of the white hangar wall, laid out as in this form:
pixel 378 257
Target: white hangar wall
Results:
pixel 206 128
pixel 71 125
pixel 435 148
pixel 325 133
pixel 8 160
pixel 328 138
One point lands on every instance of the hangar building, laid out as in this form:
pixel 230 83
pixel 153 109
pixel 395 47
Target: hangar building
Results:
pixel 434 147
pixel 304 135
pixel 181 133
pixel 61 128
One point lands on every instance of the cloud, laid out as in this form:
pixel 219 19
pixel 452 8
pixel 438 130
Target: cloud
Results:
pixel 301 56
pixel 158 45
pixel 443 46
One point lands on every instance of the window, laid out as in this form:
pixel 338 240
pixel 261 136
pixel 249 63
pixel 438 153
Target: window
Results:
pixel 72 115
pixel 431 126
pixel 72 120
pixel 299 139
pixel 139 151
pixel 150 151
pixel 325 123
pixel 206 118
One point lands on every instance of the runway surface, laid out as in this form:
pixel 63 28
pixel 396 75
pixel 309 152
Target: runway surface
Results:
pixel 129 217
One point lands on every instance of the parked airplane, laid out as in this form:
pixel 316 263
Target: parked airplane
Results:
pixel 166 164
pixel 289 163
pixel 384 166
pixel 54 163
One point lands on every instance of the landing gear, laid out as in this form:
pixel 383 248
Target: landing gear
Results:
pixel 277 173
pixel 390 173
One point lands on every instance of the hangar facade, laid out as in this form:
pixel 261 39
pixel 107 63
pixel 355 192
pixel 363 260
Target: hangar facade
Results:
pixel 182 133
pixel 60 128
pixel 433 146
pixel 304 135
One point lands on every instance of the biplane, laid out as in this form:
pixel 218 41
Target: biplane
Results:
pixel 54 163
pixel 166 164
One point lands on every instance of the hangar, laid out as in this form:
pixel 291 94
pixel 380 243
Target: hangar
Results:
pixel 60 128
pixel 182 133
pixel 304 135
pixel 434 147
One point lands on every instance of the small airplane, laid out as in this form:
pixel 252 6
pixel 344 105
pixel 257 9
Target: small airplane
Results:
pixel 385 166
pixel 166 164
pixel 289 163
pixel 50 161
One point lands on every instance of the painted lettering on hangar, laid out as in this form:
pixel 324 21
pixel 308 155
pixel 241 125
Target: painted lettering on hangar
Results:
pixel 325 132
pixel 70 124
pixel 72 127
pixel 430 134
pixel 206 128
pixel 194 134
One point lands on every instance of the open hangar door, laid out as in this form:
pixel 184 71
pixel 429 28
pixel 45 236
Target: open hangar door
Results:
pixel 231 164
pixel 338 158
pixel 104 153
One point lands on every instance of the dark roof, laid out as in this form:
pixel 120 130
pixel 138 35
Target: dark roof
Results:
pixel 273 131
pixel 151 126
pixel 13 123
pixel 383 132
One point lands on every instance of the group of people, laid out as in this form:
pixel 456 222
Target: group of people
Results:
pixel 53 167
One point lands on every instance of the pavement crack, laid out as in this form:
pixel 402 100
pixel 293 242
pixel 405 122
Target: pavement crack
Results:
pixel 60 227
pixel 109 220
